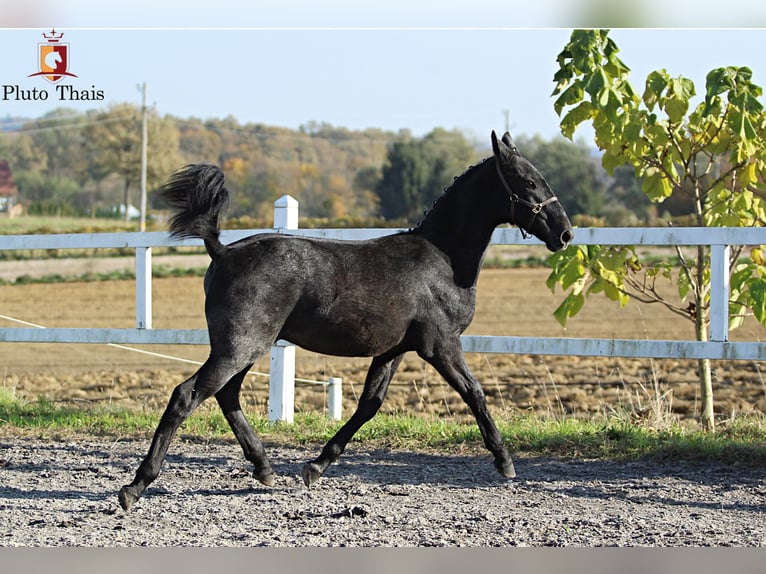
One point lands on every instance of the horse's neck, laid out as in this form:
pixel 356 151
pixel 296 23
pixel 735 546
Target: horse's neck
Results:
pixel 461 226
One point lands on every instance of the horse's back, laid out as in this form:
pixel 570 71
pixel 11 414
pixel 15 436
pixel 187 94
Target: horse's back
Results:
pixel 354 298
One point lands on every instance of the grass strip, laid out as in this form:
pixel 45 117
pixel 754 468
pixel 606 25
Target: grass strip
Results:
pixel 741 441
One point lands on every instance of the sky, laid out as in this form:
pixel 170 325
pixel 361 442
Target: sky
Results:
pixel 471 71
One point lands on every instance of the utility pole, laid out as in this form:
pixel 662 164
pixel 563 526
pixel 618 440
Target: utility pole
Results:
pixel 144 118
pixel 507 115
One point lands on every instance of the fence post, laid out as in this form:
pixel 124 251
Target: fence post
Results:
pixel 335 398
pixel 719 292
pixel 282 371
pixel 143 287
pixel 282 382
pixel 286 213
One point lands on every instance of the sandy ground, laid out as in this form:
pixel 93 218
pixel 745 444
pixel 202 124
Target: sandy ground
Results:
pixel 63 493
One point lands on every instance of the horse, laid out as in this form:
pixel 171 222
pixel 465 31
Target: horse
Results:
pixel 380 298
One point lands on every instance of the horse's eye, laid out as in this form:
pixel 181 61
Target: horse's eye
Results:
pixel 529 183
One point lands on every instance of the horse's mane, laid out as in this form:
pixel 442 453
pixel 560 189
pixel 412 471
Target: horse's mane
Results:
pixel 449 191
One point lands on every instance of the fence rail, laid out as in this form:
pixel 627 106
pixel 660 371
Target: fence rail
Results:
pixel 281 386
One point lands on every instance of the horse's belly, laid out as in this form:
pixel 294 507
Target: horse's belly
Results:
pixel 359 336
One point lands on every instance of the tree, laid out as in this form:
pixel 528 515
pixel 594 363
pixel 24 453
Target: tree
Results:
pixel 570 171
pixel 113 142
pixel 625 189
pixel 418 170
pixel 715 152
pixel 58 135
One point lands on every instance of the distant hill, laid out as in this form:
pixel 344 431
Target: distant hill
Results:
pixel 12 124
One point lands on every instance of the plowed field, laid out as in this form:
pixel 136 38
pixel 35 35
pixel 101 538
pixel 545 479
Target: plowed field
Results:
pixel 511 302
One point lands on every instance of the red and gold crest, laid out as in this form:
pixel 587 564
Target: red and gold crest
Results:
pixel 53 58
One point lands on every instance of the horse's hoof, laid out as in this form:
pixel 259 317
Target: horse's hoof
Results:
pixel 266 478
pixel 310 473
pixel 127 497
pixel 507 470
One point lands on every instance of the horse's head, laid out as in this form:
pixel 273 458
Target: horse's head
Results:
pixel 532 205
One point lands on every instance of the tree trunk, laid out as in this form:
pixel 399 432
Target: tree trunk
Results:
pixel 706 387
pixel 127 200
pixel 701 322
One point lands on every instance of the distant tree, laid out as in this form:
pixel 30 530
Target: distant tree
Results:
pixel 58 136
pixel 417 171
pixel 364 185
pixel 402 188
pixel 197 143
pixel 48 195
pixel 625 190
pixel 571 172
pixel 113 142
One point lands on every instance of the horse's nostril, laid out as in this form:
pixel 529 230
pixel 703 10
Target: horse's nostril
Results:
pixel 566 236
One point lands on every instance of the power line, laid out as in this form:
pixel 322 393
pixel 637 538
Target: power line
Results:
pixel 80 124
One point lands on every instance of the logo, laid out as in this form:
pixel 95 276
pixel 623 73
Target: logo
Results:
pixel 53 65
pixel 53 58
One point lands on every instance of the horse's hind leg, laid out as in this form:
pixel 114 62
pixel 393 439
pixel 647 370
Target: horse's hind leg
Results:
pixel 451 365
pixel 185 398
pixel 228 400
pixel 379 376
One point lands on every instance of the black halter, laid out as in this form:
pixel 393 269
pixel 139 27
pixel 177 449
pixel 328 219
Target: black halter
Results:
pixel 535 207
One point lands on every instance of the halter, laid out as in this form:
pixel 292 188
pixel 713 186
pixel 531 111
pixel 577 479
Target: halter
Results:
pixel 535 207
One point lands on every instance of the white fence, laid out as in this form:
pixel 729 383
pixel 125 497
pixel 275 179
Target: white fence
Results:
pixel 282 372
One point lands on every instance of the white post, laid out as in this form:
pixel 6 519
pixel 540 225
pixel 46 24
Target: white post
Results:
pixel 143 287
pixel 335 398
pixel 719 292
pixel 286 213
pixel 282 372
pixel 282 383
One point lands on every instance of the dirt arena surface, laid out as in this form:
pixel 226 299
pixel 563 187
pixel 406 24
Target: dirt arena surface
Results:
pixel 64 493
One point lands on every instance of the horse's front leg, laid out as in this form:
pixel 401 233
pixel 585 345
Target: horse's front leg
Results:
pixel 379 376
pixel 450 364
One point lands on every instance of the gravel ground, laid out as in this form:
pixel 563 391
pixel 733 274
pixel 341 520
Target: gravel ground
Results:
pixel 64 493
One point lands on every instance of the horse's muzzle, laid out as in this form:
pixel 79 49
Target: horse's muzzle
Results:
pixel 566 238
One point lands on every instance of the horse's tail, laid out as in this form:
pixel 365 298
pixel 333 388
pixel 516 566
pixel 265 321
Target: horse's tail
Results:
pixel 199 200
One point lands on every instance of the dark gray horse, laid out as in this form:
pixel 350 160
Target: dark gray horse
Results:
pixel 413 291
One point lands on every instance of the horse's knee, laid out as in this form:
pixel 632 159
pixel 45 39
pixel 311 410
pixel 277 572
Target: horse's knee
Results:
pixel 183 400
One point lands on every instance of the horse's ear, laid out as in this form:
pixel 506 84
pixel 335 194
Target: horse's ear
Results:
pixel 505 148
pixel 495 145
pixel 508 140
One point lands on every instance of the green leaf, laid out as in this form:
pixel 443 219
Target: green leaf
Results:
pixel 756 254
pixel 684 286
pixel 572 95
pixel 718 81
pixel 572 272
pixel 603 97
pixel 757 289
pixel 597 82
pixel 676 109
pixel 656 82
pixel 656 185
pixel 574 118
pixel 569 307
